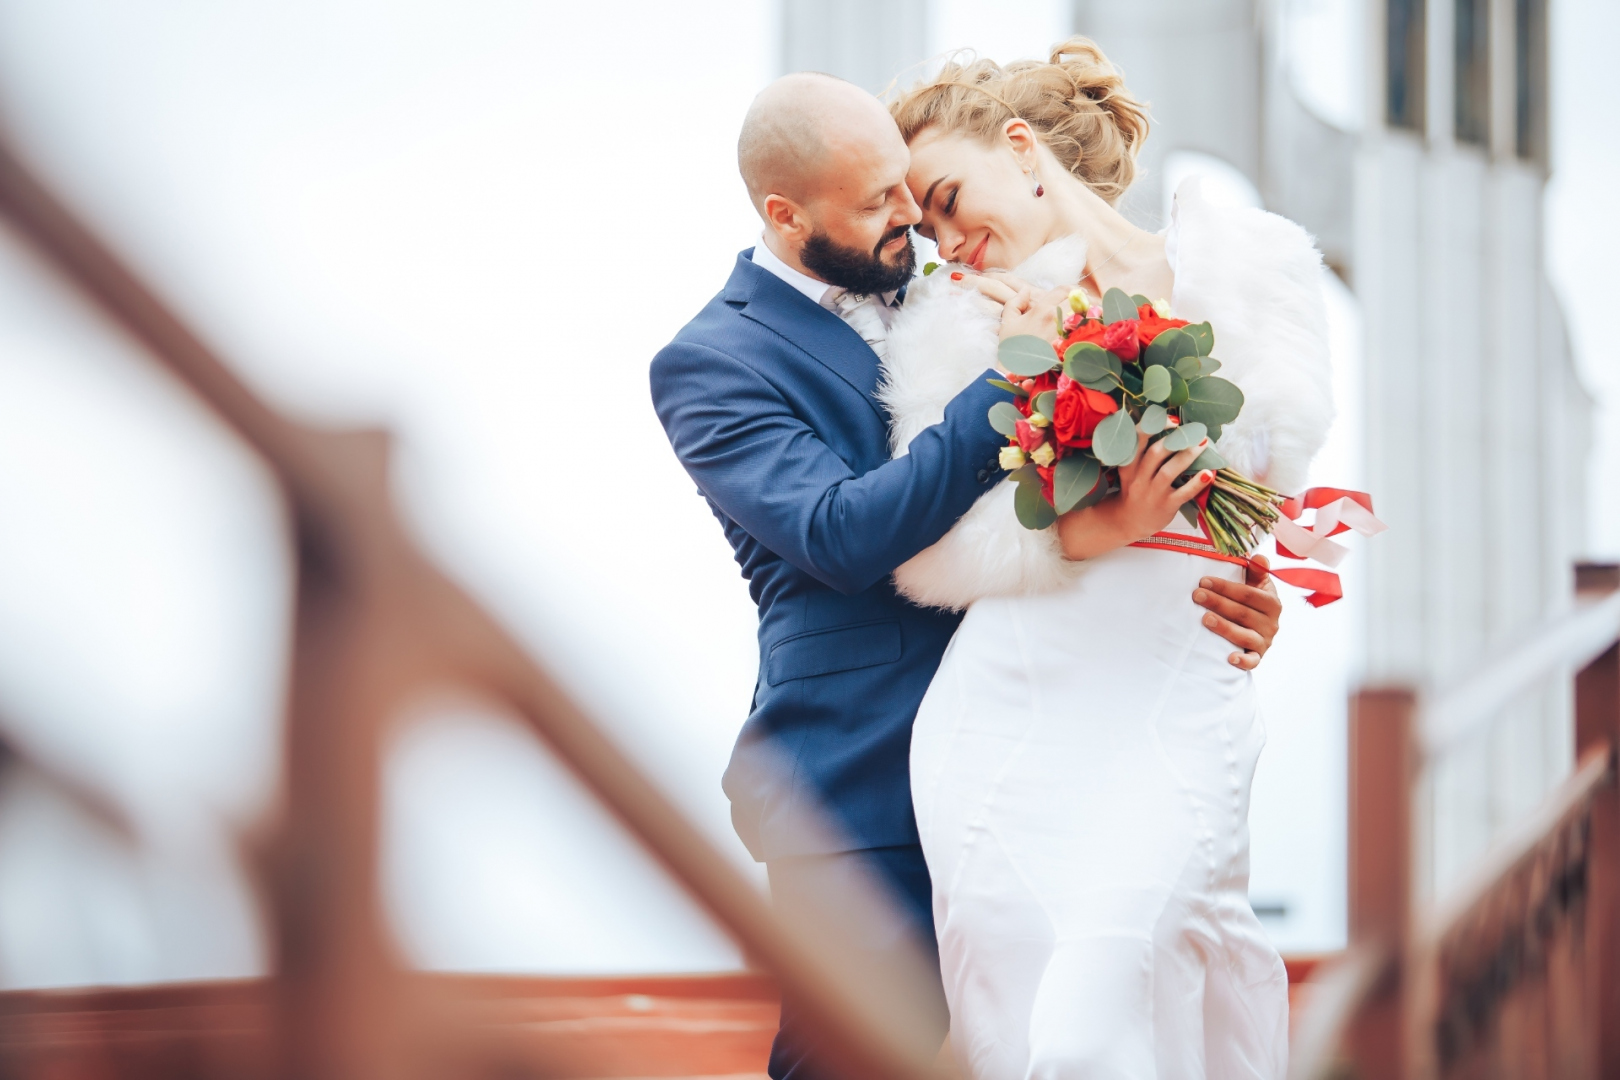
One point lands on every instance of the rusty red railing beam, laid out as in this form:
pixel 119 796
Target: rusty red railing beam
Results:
pixel 376 623
pixel 1380 1005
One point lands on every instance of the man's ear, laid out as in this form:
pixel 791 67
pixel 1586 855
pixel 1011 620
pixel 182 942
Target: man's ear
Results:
pixel 788 220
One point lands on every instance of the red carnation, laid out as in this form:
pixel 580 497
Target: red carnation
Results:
pixel 1029 436
pixel 1079 410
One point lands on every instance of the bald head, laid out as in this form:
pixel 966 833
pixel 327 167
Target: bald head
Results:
pixel 805 127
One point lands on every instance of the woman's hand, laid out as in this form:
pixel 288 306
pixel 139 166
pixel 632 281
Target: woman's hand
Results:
pixel 1147 501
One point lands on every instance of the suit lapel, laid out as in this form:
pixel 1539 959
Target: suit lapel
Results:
pixel 812 329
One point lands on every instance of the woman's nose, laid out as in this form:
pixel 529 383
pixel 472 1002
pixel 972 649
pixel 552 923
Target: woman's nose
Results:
pixel 949 244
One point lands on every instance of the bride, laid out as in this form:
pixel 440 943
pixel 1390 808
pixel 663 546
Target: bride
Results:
pixel 1082 761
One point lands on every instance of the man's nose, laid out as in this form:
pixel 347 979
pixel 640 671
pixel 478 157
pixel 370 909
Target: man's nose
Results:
pixel 907 212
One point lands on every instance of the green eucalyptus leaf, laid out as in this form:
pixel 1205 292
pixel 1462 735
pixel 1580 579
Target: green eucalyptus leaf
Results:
pixel 1138 299
pixel 1033 511
pixel 1184 437
pixel 929 268
pixel 1025 474
pixel 1189 367
pixel 1189 510
pixel 1209 459
pixel 1073 478
pixel 1203 336
pixel 1156 383
pixel 1027 355
pixel 1208 365
pixel 1004 417
pixel 1094 496
pixel 1117 306
pixel 1114 441
pixel 1046 404
pixel 1178 392
pixel 1003 384
pixel 1153 421
pixel 1212 400
pixel 1087 363
pixel 1171 345
pixel 1131 377
pixel 1214 431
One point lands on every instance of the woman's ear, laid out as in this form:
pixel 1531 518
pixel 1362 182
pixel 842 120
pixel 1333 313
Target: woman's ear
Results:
pixel 1021 137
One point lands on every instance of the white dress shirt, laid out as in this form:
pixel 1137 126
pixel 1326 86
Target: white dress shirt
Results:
pixel 868 316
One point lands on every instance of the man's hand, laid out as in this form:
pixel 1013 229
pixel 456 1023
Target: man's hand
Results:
pixel 1245 613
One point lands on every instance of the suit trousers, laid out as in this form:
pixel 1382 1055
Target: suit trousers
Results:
pixel 803 882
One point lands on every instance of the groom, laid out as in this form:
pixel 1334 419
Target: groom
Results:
pixel 768 400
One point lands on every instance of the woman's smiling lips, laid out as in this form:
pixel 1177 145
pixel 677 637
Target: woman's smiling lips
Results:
pixel 976 259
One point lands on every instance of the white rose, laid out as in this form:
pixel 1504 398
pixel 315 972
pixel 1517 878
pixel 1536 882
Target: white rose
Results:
pixel 1161 308
pixel 1012 458
pixel 1043 454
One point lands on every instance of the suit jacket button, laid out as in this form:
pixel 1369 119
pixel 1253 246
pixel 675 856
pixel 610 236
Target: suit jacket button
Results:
pixel 984 474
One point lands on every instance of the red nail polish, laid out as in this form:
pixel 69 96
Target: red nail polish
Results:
pixel 956 275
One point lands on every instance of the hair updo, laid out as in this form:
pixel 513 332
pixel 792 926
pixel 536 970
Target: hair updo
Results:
pixel 1076 102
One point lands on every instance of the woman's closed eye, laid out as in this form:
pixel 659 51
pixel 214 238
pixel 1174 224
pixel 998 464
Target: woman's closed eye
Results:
pixel 950 202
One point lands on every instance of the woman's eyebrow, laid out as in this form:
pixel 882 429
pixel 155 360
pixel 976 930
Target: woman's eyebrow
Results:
pixel 928 197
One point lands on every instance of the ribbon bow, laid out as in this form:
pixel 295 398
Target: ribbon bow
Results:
pixel 1337 510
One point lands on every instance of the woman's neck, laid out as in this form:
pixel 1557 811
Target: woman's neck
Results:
pixel 1118 254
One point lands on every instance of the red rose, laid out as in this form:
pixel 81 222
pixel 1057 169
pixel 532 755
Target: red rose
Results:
pixel 1120 339
pixel 1090 330
pixel 1079 410
pixel 1034 388
pixel 1150 326
pixel 1029 436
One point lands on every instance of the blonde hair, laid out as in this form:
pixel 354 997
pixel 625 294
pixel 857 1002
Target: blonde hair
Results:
pixel 1076 103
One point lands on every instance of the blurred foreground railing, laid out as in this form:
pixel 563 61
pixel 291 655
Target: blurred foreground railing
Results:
pixel 377 625
pixel 1517 971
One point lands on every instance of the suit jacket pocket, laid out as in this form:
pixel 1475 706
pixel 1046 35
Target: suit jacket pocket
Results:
pixel 823 652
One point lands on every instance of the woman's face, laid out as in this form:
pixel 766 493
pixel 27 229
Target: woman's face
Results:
pixel 977 203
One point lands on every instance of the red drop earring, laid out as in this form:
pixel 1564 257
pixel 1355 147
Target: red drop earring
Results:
pixel 1039 190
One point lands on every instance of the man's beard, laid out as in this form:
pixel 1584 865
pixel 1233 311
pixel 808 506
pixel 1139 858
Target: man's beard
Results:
pixel 856 270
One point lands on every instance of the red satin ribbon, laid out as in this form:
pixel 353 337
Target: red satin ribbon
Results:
pixel 1322 586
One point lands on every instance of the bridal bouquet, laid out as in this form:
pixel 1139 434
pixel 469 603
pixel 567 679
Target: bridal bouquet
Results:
pixel 1122 367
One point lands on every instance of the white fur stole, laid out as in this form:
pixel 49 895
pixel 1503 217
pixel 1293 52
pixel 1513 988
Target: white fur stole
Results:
pixel 1255 276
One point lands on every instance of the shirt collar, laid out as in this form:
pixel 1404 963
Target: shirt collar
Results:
pixel 814 288
pixel 766 259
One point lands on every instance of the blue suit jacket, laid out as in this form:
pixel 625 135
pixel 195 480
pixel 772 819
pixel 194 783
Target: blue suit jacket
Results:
pixel 768 401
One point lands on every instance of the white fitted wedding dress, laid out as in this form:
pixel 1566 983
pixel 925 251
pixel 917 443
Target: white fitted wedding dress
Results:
pixel 1082 761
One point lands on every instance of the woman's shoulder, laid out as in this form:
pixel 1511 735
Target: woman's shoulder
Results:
pixel 1256 277
pixel 1233 258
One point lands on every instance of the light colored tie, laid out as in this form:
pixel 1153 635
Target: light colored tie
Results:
pixel 860 312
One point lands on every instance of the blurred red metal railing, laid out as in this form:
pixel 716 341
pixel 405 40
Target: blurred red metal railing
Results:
pixel 1516 972
pixel 1417 994
pixel 376 624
